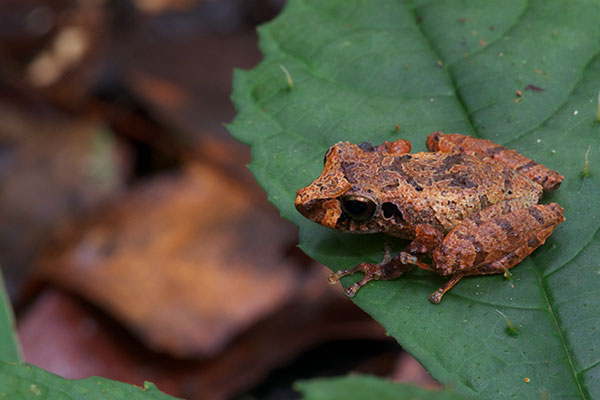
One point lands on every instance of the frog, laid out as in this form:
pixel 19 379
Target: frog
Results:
pixel 468 205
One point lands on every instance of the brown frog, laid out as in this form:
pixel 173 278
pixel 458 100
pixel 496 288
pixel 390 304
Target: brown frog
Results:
pixel 469 205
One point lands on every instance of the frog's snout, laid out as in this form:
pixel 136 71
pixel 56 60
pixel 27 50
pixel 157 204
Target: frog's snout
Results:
pixel 319 200
pixel 303 203
pixel 323 211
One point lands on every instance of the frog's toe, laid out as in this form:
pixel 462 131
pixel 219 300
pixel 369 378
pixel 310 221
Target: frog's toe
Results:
pixel 336 276
pixel 436 296
pixel 371 274
pixel 333 278
pixel 407 258
pixel 350 291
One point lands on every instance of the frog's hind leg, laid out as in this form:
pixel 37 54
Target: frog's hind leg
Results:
pixel 494 240
pixel 436 296
pixel 497 267
pixel 514 257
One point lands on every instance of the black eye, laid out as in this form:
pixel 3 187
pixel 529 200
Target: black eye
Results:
pixel 358 208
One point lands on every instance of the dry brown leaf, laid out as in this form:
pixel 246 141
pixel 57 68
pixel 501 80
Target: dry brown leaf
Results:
pixel 79 342
pixel 67 337
pixel 187 261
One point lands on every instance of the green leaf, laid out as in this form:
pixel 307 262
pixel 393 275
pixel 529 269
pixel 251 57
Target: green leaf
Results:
pixel 359 68
pixel 9 345
pixel 362 387
pixel 24 381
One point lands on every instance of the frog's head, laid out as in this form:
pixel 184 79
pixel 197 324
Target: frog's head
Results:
pixel 345 196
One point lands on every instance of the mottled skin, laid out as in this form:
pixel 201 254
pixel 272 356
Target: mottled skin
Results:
pixel 469 203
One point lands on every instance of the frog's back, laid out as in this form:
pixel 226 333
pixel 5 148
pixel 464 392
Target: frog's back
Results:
pixel 445 188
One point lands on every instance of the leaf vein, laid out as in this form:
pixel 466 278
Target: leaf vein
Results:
pixel 449 74
pixel 583 248
pixel 561 335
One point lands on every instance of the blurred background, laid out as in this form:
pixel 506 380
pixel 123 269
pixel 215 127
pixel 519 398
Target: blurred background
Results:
pixel 134 243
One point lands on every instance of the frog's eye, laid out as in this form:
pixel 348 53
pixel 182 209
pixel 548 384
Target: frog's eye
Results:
pixel 358 208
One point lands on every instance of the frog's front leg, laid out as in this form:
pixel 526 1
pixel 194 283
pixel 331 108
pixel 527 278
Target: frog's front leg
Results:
pixel 389 268
pixel 427 238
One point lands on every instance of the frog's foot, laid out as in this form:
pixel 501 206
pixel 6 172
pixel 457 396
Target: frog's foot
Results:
pixel 372 273
pixel 436 296
pixel 389 268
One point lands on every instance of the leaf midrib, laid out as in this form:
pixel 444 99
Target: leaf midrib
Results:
pixel 451 78
pixel 559 330
pixel 549 305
